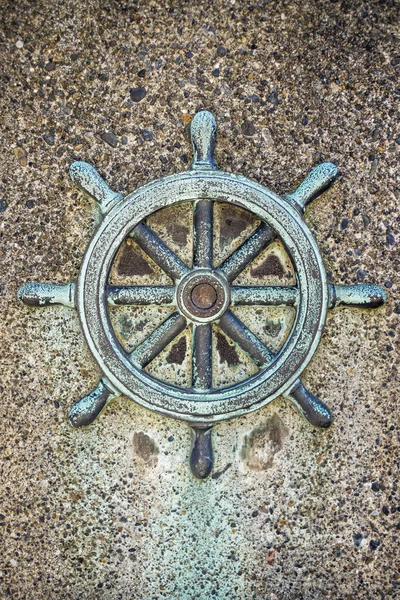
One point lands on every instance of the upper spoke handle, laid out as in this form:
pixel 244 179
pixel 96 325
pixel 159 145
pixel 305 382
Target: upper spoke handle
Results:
pixel 203 132
pixel 87 179
pixel 313 185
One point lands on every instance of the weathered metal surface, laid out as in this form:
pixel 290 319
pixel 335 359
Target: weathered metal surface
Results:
pixel 260 295
pixel 187 292
pixel 246 339
pixel 158 340
pixel 232 226
pixel 203 234
pixel 231 365
pixel 87 179
pixel 138 295
pixel 159 252
pixel 247 252
pixel 272 267
pixel 364 295
pixel 201 456
pixel 312 407
pixel 42 294
pixel 203 131
pixel 272 324
pixel 285 311
pixel 313 185
pixel 133 324
pixel 202 357
pixel 174 365
pixel 88 408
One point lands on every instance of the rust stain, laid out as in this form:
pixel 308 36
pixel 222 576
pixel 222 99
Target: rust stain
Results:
pixel 271 266
pixel 271 556
pixel 145 448
pixel 186 118
pixel 177 354
pixel 227 352
pixel 21 156
pixel 131 262
pixel 233 222
pixel 179 233
pixel 272 328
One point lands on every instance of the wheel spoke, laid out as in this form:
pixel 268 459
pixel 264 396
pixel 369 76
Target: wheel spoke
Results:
pixel 203 234
pixel 159 252
pixel 247 252
pixel 136 295
pixel 273 295
pixel 202 357
pixel 144 353
pixel 247 340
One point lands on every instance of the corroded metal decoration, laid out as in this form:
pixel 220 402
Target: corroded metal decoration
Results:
pixel 272 321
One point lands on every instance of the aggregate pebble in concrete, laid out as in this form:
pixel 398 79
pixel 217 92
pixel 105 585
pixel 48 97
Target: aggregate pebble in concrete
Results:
pixel 83 515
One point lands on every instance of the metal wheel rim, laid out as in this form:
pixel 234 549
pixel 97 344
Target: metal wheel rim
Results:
pixel 246 396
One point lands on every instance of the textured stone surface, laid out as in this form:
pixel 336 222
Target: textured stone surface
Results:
pixel 112 511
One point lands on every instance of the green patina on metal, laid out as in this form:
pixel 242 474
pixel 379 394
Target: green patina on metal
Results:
pixel 201 295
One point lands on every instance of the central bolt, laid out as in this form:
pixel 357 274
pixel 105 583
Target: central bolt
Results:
pixel 204 296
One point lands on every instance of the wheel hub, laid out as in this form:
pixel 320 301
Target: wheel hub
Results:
pixel 203 295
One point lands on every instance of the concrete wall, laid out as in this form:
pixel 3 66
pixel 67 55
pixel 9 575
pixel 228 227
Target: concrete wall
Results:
pixel 113 512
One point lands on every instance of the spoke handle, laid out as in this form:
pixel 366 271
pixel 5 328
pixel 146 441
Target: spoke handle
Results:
pixel 203 133
pixel 311 407
pixel 313 185
pixel 87 179
pixel 201 456
pixel 88 408
pixel 36 293
pixel 363 295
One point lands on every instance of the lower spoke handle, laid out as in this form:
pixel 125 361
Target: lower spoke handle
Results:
pixel 201 456
pixel 88 408
pixel 311 407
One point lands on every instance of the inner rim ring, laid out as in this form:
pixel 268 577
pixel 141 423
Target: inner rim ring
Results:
pixel 185 293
